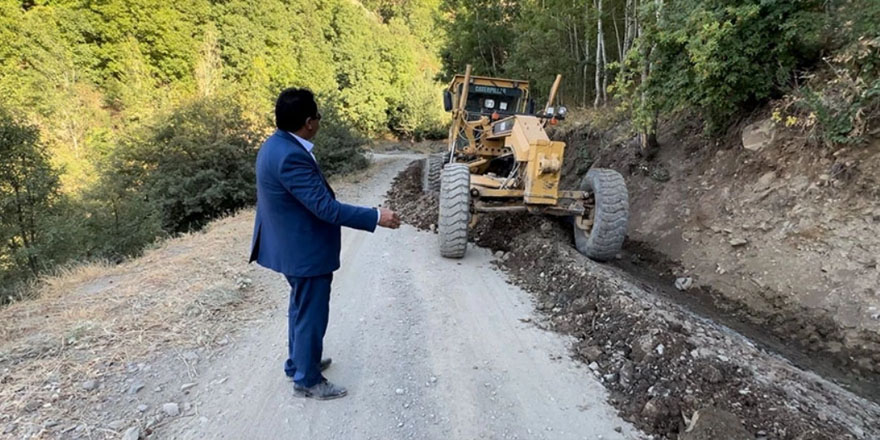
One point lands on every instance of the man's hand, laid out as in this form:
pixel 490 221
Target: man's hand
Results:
pixel 388 219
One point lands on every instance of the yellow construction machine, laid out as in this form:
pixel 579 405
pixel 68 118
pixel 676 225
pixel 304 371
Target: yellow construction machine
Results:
pixel 500 160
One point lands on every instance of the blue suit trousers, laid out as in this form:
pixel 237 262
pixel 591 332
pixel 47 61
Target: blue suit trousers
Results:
pixel 307 317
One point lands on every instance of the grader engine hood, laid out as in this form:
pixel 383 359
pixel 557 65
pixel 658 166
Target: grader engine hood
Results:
pixel 526 137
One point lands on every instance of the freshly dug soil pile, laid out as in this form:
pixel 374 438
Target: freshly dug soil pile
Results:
pixel 660 363
pixel 407 199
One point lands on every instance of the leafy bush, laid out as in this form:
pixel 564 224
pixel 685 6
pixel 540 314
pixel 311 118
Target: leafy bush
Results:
pixel 839 102
pixel 197 165
pixel 420 114
pixel 338 147
pixel 721 56
pixel 117 220
pixel 842 108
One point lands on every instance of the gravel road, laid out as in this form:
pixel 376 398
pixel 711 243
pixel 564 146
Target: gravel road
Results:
pixel 429 348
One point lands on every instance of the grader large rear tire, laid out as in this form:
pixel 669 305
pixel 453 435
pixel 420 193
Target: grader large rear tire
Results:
pixel 610 216
pixel 455 213
pixel 431 169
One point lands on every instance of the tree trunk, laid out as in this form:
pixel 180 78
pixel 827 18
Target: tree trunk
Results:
pixel 629 22
pixel 617 35
pixel 586 84
pixel 599 49
pixel 23 228
pixel 586 52
pixel 649 143
pixel 604 74
pixel 494 62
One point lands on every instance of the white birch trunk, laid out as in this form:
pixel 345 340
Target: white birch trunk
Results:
pixel 599 67
pixel 604 74
pixel 586 52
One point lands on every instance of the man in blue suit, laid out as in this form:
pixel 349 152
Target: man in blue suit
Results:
pixel 297 233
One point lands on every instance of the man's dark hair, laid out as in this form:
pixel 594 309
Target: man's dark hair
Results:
pixel 293 107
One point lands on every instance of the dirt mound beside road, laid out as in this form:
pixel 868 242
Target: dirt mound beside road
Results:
pixel 661 363
pixel 407 199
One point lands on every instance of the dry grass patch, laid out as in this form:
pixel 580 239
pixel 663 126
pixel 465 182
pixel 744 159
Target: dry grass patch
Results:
pixel 89 322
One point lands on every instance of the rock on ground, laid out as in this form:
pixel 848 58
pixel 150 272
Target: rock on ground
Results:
pixel 714 424
pixel 132 433
pixel 171 409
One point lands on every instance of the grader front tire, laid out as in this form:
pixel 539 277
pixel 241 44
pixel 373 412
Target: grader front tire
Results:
pixel 455 214
pixel 610 216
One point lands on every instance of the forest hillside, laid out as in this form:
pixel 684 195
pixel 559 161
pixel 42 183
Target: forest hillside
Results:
pixel 126 121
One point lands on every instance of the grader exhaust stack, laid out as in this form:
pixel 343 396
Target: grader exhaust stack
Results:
pixel 501 160
pixel 552 96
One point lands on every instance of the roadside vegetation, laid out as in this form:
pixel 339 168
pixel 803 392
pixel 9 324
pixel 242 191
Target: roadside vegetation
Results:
pixel 124 122
pixel 717 60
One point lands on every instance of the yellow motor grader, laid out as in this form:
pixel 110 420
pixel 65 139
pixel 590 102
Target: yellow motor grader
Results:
pixel 500 160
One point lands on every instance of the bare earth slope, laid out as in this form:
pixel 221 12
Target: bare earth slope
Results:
pixel 785 238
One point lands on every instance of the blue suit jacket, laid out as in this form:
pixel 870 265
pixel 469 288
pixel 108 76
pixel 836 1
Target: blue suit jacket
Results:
pixel 297 230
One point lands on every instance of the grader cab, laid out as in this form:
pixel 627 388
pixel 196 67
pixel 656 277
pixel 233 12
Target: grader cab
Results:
pixel 500 160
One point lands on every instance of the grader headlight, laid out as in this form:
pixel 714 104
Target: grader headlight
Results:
pixel 502 127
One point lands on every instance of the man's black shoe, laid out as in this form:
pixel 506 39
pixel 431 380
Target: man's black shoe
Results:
pixel 324 390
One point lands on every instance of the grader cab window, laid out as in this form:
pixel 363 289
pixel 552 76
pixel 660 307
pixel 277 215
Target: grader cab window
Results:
pixel 486 100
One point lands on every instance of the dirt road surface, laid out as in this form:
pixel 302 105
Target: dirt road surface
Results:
pixel 429 348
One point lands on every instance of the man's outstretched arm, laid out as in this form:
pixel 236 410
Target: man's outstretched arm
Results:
pixel 301 180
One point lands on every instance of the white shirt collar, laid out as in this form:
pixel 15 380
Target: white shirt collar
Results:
pixel 308 145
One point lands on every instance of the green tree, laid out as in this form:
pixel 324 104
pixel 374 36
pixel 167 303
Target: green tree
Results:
pixel 116 218
pixel 421 18
pixel 478 33
pixel 168 34
pixel 365 64
pixel 339 148
pixel 420 114
pixel 555 37
pixel 45 74
pixel 134 91
pixel 28 194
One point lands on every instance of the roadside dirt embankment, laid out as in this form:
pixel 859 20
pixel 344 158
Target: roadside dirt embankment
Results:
pixel 783 237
